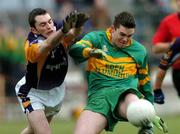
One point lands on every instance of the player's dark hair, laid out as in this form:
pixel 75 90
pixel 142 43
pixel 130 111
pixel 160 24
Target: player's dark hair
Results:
pixel 35 12
pixel 125 19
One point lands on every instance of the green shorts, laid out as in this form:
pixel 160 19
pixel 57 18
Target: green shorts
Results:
pixel 105 102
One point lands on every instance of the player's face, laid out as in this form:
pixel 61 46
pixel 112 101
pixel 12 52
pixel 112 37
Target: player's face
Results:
pixel 44 25
pixel 121 36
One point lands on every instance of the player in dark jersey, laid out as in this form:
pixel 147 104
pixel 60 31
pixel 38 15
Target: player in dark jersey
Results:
pixel 168 59
pixel 41 91
pixel 167 32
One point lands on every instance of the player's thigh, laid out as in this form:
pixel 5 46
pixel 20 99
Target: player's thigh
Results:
pixel 39 122
pixel 90 123
pixel 176 78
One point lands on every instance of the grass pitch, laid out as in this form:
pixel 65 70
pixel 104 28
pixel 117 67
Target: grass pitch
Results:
pixel 66 127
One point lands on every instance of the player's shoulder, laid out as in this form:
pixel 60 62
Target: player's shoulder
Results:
pixel 170 17
pixel 138 46
pixel 34 39
pixel 57 24
pixel 96 33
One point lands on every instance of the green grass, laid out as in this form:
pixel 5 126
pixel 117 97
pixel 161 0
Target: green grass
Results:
pixel 66 127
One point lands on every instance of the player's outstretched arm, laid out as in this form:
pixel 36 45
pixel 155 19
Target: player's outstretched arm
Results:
pixel 158 93
pixel 77 27
pixel 54 39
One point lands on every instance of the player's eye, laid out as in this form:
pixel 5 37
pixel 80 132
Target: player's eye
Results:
pixel 122 34
pixel 43 24
pixel 50 21
pixel 130 35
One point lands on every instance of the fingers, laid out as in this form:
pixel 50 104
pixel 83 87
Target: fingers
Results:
pixel 164 126
pixel 73 17
pixel 81 19
pixel 98 53
pixel 83 16
pixel 160 124
pixel 74 20
pixel 69 22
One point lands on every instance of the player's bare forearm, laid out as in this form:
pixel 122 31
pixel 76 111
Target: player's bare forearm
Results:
pixel 160 48
pixel 159 79
pixel 52 41
pixel 73 33
pixel 57 37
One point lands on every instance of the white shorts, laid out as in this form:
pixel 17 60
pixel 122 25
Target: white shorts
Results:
pixel 48 100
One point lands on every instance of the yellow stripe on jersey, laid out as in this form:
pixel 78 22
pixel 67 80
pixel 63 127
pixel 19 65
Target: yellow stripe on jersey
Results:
pixel 67 41
pixel 144 71
pixel 144 81
pixel 86 52
pixel 31 52
pixel 108 33
pixel 26 104
pixel 119 60
pixel 85 43
pixel 33 55
pixel 121 71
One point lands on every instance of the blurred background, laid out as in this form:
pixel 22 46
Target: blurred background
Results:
pixel 14 29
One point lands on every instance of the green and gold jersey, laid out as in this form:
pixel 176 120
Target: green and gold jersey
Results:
pixel 124 68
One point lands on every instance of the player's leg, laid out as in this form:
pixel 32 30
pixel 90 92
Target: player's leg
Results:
pixel 148 129
pixel 27 130
pixel 124 102
pixel 176 78
pixel 90 123
pixel 39 122
pixel 122 109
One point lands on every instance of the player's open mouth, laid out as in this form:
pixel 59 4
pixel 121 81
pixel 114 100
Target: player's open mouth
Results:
pixel 50 32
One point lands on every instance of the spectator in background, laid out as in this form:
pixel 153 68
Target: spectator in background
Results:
pixel 15 58
pixel 167 32
pixel 82 5
pixel 11 57
pixel 66 8
pixel 99 17
pixel 41 91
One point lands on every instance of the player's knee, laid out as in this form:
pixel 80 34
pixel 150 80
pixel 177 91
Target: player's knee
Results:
pixel 27 130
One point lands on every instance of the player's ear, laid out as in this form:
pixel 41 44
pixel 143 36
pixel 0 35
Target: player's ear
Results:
pixel 34 30
pixel 113 28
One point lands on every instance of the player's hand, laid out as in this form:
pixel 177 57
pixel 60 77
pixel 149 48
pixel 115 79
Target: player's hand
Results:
pixel 97 53
pixel 69 21
pixel 25 102
pixel 81 19
pixel 158 96
pixel 160 124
